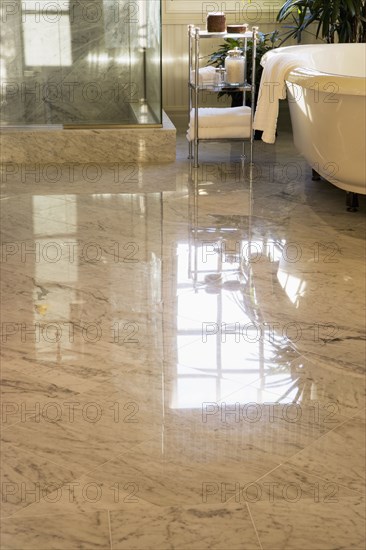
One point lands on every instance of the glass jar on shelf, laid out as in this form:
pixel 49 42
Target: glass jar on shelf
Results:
pixel 220 77
pixel 234 67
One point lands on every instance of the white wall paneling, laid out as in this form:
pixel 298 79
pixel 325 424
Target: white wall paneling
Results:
pixel 177 14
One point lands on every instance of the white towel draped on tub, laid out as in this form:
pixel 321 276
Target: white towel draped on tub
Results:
pixel 272 88
pixel 225 122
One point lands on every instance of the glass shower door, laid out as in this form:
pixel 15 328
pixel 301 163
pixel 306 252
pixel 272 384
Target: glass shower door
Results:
pixel 81 63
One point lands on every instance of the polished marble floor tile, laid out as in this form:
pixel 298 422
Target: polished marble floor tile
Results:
pixel 192 348
pixel 161 477
pixel 80 447
pixel 339 456
pixel 84 531
pixel 305 524
pixel 26 477
pixel 288 483
pixel 84 495
pixel 199 527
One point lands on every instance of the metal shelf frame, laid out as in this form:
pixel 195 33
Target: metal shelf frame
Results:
pixel 195 34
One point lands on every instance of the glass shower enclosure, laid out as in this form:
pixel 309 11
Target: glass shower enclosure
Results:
pixel 81 63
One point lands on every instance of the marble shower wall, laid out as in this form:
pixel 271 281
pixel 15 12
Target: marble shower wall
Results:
pixel 80 62
pixel 153 57
pixel 11 66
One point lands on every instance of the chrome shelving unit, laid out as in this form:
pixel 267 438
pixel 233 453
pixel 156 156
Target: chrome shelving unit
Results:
pixel 195 35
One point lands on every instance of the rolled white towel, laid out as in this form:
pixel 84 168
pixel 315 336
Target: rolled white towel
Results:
pixel 206 76
pixel 229 132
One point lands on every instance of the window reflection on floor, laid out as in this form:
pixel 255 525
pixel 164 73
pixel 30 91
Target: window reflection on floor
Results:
pixel 211 313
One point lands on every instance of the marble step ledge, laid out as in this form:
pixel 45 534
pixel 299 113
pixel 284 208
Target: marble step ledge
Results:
pixel 89 145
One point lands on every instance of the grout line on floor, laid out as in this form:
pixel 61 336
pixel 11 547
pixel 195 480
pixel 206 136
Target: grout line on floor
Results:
pixel 110 528
pixel 254 526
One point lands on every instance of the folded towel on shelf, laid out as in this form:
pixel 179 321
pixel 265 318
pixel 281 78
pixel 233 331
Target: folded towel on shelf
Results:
pixel 224 132
pixel 224 122
pixel 206 76
pixel 213 117
pixel 276 66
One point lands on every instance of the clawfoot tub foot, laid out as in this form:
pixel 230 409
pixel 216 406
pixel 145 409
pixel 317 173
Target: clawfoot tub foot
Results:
pixel 352 202
pixel 315 176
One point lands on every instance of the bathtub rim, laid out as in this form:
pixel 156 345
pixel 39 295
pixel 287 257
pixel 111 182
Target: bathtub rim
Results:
pixel 344 84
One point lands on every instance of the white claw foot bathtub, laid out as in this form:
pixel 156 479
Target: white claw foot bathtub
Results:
pixel 327 99
pixel 326 90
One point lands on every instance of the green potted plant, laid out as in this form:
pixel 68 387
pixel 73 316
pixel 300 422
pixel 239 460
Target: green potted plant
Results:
pixel 337 20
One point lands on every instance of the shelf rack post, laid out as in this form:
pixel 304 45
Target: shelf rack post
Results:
pixel 190 54
pixel 196 92
pixel 254 55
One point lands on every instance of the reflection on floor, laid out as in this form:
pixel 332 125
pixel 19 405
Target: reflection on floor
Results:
pixel 182 356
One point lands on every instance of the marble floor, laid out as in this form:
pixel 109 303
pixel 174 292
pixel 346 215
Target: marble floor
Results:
pixel 182 356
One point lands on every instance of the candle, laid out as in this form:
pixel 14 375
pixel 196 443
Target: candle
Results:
pixel 216 22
